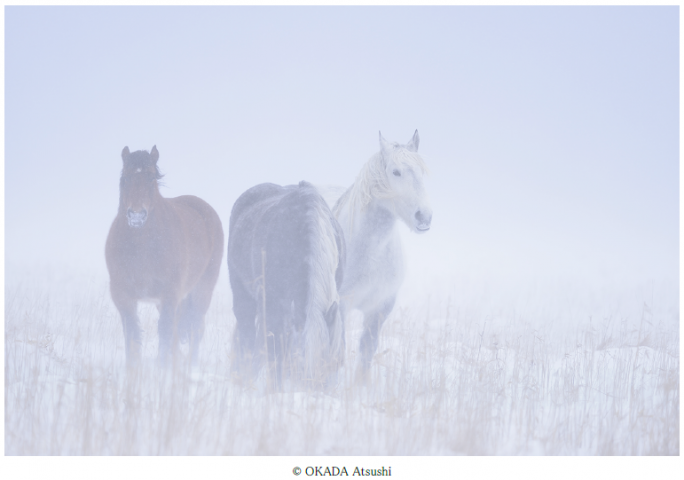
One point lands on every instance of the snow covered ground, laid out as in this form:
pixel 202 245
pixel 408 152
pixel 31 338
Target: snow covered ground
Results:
pixel 461 371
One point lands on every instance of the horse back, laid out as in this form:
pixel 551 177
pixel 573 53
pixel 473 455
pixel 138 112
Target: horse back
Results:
pixel 273 230
pixel 195 212
pixel 252 211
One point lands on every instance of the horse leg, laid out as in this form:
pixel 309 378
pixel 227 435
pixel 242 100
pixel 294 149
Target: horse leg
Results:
pixel 196 310
pixel 245 310
pixel 337 339
pixel 128 309
pixel 277 344
pixel 186 322
pixel 195 306
pixel 338 342
pixel 168 331
pixel 190 325
pixel 372 322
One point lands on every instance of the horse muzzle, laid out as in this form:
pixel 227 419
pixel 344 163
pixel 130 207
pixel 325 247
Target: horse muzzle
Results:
pixel 423 221
pixel 136 219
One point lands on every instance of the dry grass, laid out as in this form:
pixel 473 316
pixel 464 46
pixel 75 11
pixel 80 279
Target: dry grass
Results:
pixel 468 376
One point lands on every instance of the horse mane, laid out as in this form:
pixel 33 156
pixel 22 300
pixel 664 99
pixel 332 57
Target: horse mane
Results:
pixel 323 261
pixel 371 182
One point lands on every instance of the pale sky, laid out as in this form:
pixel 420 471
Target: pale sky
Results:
pixel 551 133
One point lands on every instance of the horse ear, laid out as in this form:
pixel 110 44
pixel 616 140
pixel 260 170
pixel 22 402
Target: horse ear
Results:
pixel 125 153
pixel 384 144
pixel 154 154
pixel 412 146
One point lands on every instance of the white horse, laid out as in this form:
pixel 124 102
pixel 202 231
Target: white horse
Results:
pixel 389 187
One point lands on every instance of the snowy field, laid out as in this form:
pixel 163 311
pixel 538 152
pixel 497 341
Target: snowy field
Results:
pixel 552 369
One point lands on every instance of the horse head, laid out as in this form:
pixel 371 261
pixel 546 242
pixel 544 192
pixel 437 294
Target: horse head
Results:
pixel 138 187
pixel 405 195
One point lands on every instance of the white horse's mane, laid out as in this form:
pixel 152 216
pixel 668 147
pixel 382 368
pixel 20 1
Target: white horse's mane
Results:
pixel 372 182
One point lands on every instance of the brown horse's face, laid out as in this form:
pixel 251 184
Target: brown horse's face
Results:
pixel 138 186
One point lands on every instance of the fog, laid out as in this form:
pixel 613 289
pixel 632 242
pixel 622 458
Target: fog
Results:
pixel 551 134
pixel 551 137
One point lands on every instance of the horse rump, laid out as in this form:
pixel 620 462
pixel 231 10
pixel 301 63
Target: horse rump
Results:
pixel 285 262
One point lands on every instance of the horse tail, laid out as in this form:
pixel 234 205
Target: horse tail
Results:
pixel 323 329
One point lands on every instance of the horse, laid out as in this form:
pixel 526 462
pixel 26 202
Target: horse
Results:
pixel 388 188
pixel 162 250
pixel 286 259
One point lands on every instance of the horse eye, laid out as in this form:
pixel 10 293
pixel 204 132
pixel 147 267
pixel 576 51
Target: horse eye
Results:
pixel 397 173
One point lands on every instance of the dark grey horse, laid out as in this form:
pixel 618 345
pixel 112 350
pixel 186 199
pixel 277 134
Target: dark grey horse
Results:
pixel 285 261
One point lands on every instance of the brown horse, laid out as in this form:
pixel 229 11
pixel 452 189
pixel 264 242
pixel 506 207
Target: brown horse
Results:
pixel 164 250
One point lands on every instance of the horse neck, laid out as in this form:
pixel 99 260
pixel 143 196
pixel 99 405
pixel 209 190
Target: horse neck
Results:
pixel 379 217
pixel 360 203
pixel 361 221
